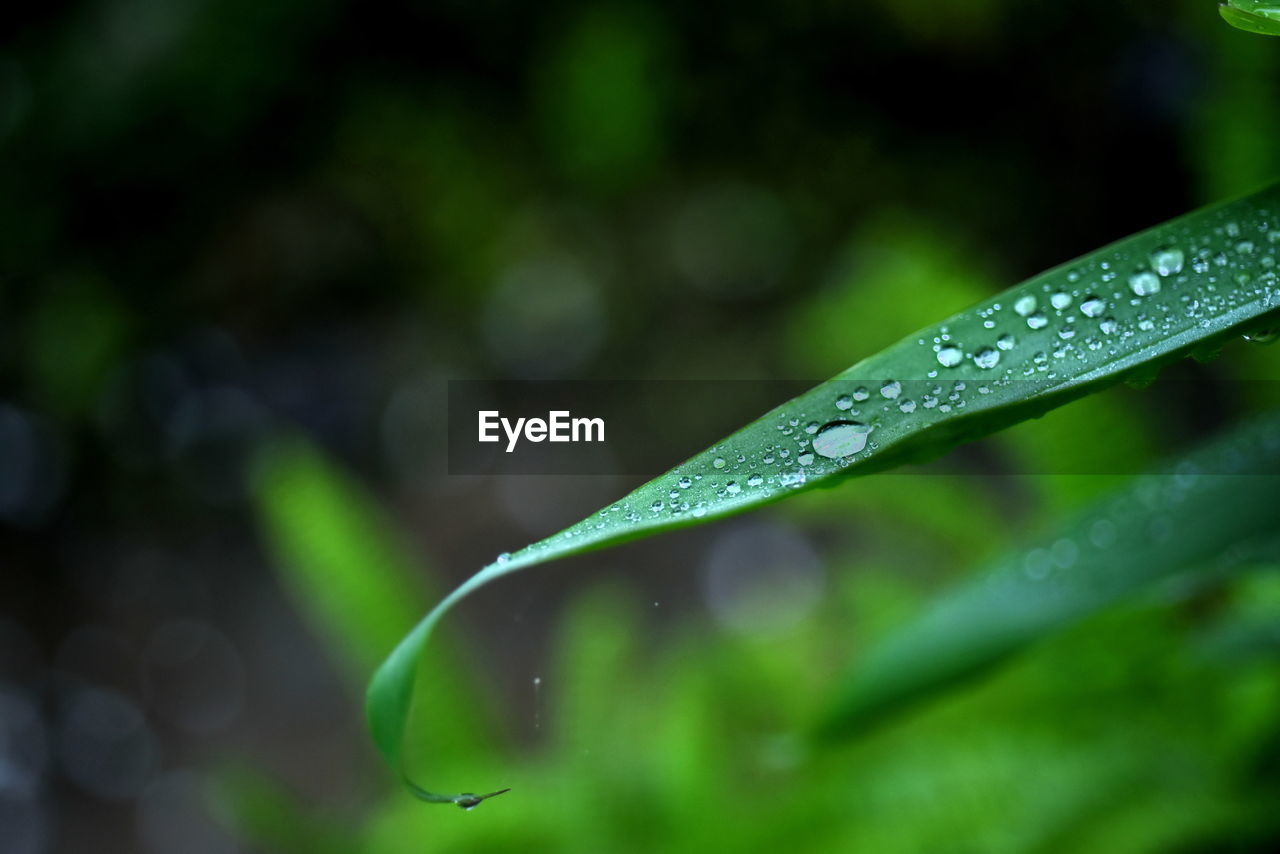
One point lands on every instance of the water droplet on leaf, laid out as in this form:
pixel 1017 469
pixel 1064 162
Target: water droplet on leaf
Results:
pixel 841 439
pixel 1144 283
pixel 987 358
pixel 1167 261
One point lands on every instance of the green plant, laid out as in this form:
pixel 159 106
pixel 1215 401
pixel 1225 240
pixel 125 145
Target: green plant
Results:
pixel 1117 314
pixel 1255 16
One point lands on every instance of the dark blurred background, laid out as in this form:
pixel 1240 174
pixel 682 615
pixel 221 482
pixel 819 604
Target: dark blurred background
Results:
pixel 244 245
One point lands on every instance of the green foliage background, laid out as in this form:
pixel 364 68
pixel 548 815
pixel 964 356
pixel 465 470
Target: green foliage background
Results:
pixel 243 246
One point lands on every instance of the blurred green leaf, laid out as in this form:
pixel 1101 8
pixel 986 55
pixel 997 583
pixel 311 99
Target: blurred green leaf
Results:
pixel 1118 313
pixel 600 95
pixel 337 555
pixel 1214 509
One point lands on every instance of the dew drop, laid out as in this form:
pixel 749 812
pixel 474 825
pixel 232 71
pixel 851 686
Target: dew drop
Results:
pixel 841 438
pixel 732 487
pixel 890 389
pixel 1109 326
pixel 907 406
pixel 950 356
pixel 755 480
pixel 1167 261
pixel 1024 305
pixel 656 507
pixel 1093 306
pixel 844 402
pixel 718 462
pixel 504 557
pixel 1006 342
pixel 805 459
pixel 684 483
pixel 1060 300
pixel 987 358
pixel 1037 320
pixel 861 393
pixel 1144 283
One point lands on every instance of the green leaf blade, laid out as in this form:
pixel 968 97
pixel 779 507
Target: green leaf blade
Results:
pixel 1214 510
pixel 1122 311
pixel 1252 16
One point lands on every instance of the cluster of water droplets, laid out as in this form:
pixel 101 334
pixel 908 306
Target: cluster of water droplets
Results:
pixel 1105 310
pixel 1071 319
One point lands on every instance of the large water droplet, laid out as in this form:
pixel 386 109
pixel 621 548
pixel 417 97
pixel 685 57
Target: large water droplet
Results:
pixel 1167 261
pixel 718 462
pixel 756 480
pixel 891 389
pixel 1093 306
pixel 1037 320
pixel 841 439
pixel 732 487
pixel 1006 342
pixel 1060 300
pixel 950 356
pixel 1024 305
pixel 1144 283
pixel 844 402
pixel 987 358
